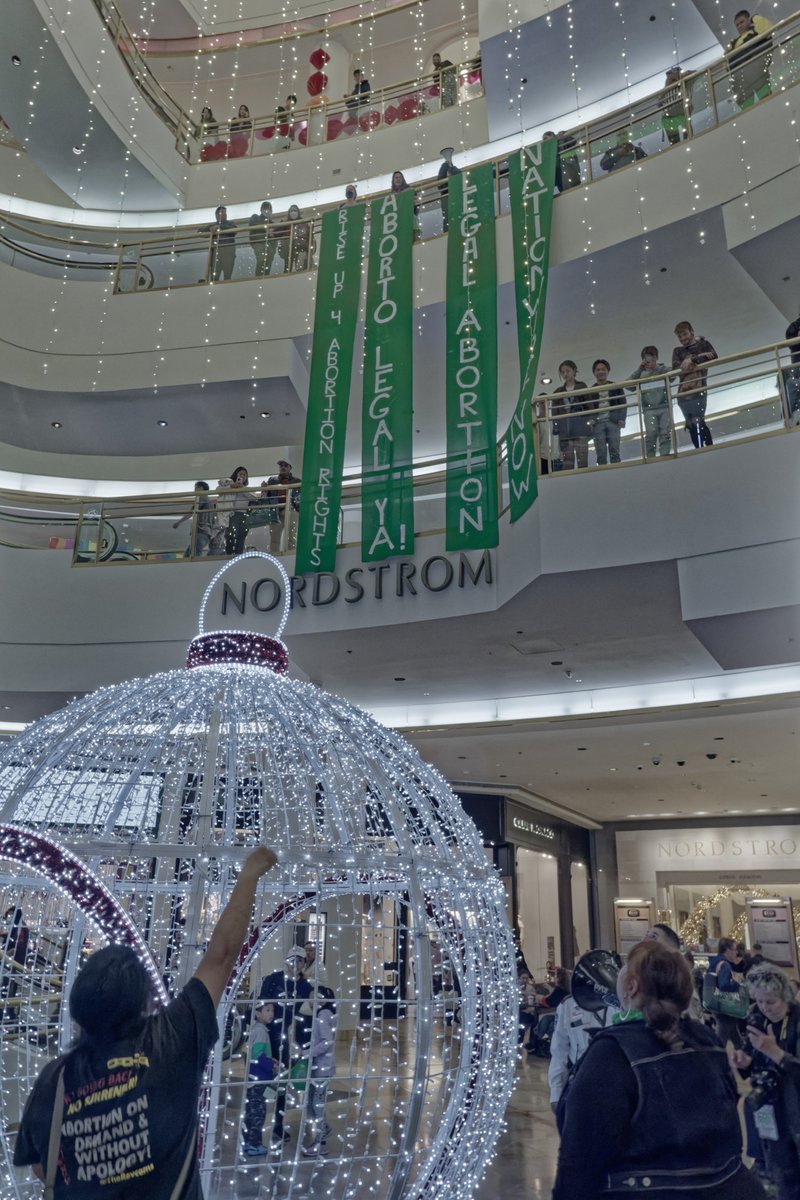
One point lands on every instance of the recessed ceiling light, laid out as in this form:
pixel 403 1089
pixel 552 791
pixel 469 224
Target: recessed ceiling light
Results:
pixel 16 61
pixel 56 424
pixel 264 414
pixel 77 150
pixel 162 424
pixel 547 379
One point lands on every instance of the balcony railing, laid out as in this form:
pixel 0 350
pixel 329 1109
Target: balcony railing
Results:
pixel 339 120
pixel 750 396
pixel 697 102
pixel 183 258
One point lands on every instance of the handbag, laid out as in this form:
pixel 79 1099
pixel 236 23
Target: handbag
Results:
pixel 727 1004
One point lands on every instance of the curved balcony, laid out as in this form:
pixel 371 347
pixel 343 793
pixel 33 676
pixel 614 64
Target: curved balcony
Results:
pixel 751 396
pixel 335 121
pixel 671 118
pixel 697 102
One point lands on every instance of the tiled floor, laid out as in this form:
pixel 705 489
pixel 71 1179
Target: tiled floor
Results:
pixel 525 1163
pixel 523 1166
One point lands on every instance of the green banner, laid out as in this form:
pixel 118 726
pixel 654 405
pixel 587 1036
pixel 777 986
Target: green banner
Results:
pixel 335 316
pixel 387 503
pixel 471 362
pixel 531 179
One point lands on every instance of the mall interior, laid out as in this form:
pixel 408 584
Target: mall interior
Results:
pixel 611 686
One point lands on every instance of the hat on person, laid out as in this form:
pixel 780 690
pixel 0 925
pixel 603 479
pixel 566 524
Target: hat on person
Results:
pixel 296 952
pixel 283 463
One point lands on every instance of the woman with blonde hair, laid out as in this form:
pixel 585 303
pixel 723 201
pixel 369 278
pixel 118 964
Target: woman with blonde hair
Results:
pixel 652 1107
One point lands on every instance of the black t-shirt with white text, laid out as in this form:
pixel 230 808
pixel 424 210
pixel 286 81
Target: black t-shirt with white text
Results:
pixel 130 1107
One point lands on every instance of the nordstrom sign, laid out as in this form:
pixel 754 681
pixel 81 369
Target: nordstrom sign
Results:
pixel 401 577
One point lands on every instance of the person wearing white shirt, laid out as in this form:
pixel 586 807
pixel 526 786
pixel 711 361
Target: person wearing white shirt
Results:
pixel 569 1043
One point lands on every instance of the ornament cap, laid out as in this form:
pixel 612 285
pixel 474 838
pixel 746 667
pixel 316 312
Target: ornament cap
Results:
pixel 241 646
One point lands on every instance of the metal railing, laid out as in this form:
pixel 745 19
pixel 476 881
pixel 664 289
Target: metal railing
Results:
pixel 182 258
pixel 745 397
pixel 690 106
pixel 327 120
pixel 185 129
pixel 696 102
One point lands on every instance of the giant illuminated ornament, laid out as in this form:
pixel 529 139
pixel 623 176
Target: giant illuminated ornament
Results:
pixel 126 816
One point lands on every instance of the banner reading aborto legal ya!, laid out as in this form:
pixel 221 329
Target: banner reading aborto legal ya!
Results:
pixel 471 362
pixel 336 313
pixel 387 504
pixel 531 179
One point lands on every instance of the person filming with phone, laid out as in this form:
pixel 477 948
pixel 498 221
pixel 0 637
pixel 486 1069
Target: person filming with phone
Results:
pixel 772 1061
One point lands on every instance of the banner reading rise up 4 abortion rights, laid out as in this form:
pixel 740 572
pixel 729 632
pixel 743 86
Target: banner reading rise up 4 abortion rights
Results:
pixel 387 505
pixel 338 287
pixel 471 362
pixel 531 179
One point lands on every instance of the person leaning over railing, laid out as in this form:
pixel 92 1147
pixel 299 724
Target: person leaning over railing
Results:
pixel 692 393
pixel 361 88
pixel 748 62
pixel 611 411
pixel 621 155
pixel 448 83
pixel 654 400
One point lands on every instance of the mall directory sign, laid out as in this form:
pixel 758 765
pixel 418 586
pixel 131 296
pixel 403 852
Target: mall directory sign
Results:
pixel 632 919
pixel 771 926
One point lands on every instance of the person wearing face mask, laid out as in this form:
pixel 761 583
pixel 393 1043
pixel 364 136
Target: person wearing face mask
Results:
pixel 772 1061
pixel 651 1109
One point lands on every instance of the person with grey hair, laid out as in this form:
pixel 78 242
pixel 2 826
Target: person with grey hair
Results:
pixel 772 1061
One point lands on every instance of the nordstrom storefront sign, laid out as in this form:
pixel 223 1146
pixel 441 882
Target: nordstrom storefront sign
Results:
pixel 399 577
pixel 647 856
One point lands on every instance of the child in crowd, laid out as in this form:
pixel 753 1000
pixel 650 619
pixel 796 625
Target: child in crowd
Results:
pixel 321 1065
pixel 655 403
pixel 261 1069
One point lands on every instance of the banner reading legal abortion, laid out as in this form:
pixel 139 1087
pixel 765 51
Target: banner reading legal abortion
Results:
pixel 531 179
pixel 387 504
pixel 336 312
pixel 471 362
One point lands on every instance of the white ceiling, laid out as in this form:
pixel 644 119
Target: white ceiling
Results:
pixel 606 769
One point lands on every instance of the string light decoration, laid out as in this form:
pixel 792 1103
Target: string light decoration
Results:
pixel 159 787
pixel 694 929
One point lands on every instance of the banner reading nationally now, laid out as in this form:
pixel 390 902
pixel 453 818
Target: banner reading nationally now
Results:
pixel 387 504
pixel 336 312
pixel 471 362
pixel 531 179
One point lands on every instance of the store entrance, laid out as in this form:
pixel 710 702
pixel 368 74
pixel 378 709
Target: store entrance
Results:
pixel 704 907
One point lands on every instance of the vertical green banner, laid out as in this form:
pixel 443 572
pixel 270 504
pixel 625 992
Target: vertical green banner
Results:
pixel 531 179
pixel 471 362
pixel 335 315
pixel 387 504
